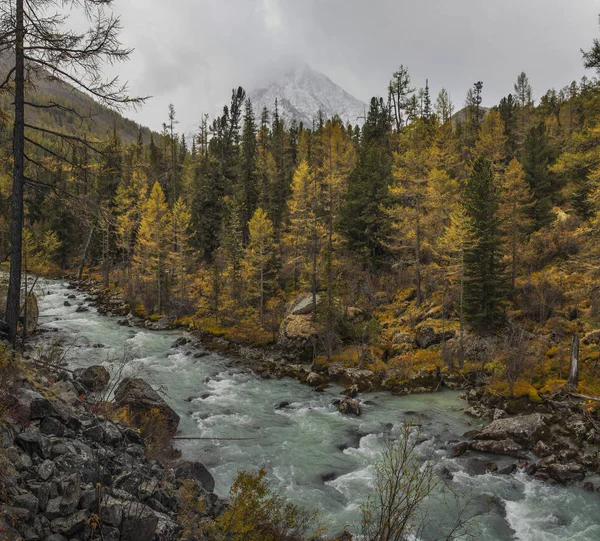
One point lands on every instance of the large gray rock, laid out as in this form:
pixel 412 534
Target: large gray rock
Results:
pixel 141 399
pixel 34 404
pixel 349 406
pixel 506 447
pixel 427 334
pixel 303 306
pixel 298 336
pixel 71 495
pixel 196 472
pixel 94 378
pixel 561 473
pixel 525 430
pixel 139 522
pixel 72 524
pixel 33 442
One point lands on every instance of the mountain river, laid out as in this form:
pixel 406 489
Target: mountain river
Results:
pixel 313 454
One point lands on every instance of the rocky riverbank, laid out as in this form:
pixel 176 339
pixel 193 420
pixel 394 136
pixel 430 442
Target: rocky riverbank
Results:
pixel 69 473
pixel 555 440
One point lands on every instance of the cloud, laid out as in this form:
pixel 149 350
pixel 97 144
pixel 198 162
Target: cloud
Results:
pixel 193 52
pixel 272 15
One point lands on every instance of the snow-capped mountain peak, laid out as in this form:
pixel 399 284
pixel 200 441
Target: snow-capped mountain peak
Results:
pixel 302 92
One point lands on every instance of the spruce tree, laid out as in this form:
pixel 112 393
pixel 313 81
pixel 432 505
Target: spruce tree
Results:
pixel 247 187
pixel 363 221
pixel 537 157
pixel 485 288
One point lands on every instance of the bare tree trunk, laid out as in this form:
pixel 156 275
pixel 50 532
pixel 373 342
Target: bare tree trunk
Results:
pixel 418 259
pixel 262 292
pixel 315 247
pixel 513 277
pixel 574 366
pixel 159 300
pixel 16 237
pixel 85 253
pixel 461 339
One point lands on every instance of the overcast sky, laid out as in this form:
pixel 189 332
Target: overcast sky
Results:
pixel 192 52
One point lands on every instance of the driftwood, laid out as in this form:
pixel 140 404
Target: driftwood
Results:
pixel 585 396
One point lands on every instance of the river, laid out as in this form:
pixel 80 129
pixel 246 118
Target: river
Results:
pixel 314 455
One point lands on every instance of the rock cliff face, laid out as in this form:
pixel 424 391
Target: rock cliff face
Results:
pixel 69 474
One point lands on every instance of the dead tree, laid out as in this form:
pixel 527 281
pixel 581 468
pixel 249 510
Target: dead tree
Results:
pixel 36 34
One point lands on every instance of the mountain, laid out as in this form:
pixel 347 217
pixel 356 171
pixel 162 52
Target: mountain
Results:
pixel 95 120
pixel 302 92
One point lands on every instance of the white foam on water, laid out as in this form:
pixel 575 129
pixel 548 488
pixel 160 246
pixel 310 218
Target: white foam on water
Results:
pixel 369 448
pixel 357 480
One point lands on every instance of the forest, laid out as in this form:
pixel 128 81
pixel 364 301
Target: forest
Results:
pixel 476 228
pixel 427 247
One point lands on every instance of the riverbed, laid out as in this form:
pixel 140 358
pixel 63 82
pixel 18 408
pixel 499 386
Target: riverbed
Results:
pixel 315 456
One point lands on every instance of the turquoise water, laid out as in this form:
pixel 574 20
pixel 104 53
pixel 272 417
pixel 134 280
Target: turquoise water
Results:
pixel 314 455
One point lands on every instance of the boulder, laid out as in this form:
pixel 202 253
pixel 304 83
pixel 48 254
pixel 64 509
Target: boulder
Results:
pixel 163 324
pixel 297 336
pixel 26 501
pixel 72 524
pixel 481 467
pixel 304 306
pixel 525 430
pixel 71 494
pixel 141 399
pixel 460 449
pixel 351 391
pixel 195 471
pixel 428 334
pixel 541 450
pixel 497 447
pixel 139 523
pixel 52 427
pixel 349 406
pixel 33 442
pixel 181 341
pixel 94 378
pixel 314 379
pixel 33 404
pixel 364 380
pixel 561 473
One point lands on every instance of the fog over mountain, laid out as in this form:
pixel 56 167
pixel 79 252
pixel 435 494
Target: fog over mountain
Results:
pixel 302 92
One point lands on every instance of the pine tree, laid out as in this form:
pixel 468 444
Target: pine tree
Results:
pixel 537 158
pixel 231 248
pixel 152 246
pixel 259 255
pixel 491 142
pixel 444 109
pixel 337 159
pixel 248 186
pixel 399 96
pixel 457 239
pixel 411 195
pixel 129 201
pixel 515 212
pixel 180 246
pixel 363 221
pixel 305 227
pixel 485 289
